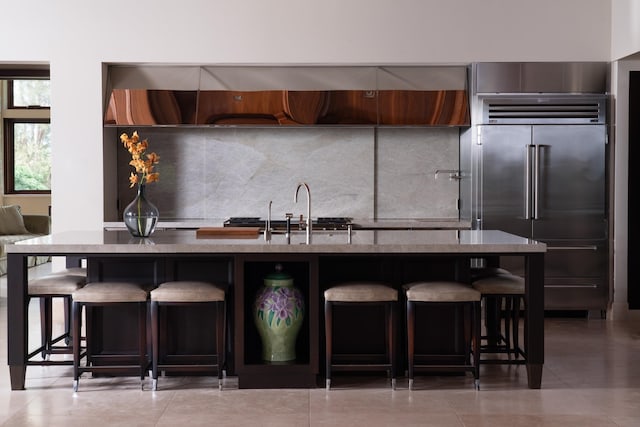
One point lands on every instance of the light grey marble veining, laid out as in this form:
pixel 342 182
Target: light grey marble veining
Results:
pixel 408 159
pixel 352 171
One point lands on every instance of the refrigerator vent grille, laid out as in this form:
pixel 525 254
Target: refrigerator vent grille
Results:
pixel 508 111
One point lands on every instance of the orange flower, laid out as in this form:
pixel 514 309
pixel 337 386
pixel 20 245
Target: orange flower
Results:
pixel 144 168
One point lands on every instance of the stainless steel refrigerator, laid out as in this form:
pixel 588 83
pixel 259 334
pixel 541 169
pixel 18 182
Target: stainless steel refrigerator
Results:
pixel 547 181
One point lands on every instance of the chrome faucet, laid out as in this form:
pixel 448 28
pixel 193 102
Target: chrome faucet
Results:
pixel 295 200
pixel 267 226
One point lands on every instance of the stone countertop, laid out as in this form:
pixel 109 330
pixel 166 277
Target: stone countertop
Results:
pixel 329 242
pixel 358 223
pixel 411 224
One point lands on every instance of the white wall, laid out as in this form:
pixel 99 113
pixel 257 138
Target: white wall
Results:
pixel 625 28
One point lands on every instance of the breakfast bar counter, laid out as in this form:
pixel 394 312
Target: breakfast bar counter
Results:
pixel 241 260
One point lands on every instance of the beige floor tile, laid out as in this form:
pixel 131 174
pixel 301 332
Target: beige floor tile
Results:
pixel 525 420
pixel 591 378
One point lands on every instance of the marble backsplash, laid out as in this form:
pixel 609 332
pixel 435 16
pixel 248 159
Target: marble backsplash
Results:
pixel 351 171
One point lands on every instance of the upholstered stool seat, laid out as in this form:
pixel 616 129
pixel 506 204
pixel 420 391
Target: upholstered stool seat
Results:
pixel 71 271
pixel 507 284
pixel 55 284
pixel 97 294
pixel 484 272
pixel 441 292
pixel 361 293
pixel 188 293
pixel 46 288
pixel 452 293
pixel 503 295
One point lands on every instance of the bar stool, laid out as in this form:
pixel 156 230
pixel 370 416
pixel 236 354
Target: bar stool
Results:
pixel 188 293
pixel 55 285
pixel 361 293
pixel 450 293
pixel 101 294
pixel 503 296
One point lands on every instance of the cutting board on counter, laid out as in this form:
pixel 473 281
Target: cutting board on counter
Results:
pixel 228 232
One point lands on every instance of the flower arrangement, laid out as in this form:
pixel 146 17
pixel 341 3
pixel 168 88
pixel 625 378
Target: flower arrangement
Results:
pixel 142 161
pixel 140 216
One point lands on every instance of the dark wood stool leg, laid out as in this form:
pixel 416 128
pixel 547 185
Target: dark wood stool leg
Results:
pixel 154 344
pixel 220 328
pixel 77 313
pixel 328 328
pixel 477 336
pixel 508 322
pixel 67 319
pixel 467 330
pixel 142 340
pixel 492 321
pixel 45 325
pixel 516 325
pixel 391 309
pixel 410 340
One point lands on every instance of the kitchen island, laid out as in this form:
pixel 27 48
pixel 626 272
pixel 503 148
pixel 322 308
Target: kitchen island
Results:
pixel 398 255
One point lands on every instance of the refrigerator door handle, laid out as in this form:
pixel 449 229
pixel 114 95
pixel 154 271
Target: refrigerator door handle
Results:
pixel 527 182
pixel 536 181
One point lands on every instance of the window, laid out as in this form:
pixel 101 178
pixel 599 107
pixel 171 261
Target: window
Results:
pixel 29 94
pixel 27 137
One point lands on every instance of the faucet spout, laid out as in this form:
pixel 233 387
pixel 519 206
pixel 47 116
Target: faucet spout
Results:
pixel 267 226
pixel 295 200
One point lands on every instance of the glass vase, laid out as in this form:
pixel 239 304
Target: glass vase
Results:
pixel 140 216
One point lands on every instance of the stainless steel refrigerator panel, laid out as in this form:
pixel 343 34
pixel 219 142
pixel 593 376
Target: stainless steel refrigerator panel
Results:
pixel 574 277
pixel 505 196
pixel 569 182
pixel 547 182
pixel 581 258
pixel 590 293
pixel 577 259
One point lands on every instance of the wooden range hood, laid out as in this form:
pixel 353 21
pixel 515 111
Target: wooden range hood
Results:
pixel 219 96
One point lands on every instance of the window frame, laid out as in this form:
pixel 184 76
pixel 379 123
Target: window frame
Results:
pixel 21 114
pixel 9 154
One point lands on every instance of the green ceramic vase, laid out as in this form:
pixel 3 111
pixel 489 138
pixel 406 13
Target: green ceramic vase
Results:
pixel 278 315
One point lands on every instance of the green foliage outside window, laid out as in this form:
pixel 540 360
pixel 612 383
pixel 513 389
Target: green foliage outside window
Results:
pixel 32 156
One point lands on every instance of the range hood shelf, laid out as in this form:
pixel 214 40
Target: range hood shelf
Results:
pixel 398 96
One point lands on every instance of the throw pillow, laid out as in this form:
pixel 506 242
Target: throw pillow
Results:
pixel 11 221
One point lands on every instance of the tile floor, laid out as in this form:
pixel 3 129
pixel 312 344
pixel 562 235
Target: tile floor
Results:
pixel 591 378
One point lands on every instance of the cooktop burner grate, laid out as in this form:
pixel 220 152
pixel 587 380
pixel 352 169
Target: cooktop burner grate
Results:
pixel 326 223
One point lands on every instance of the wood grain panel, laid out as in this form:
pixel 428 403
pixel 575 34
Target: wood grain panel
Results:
pixel 444 108
pixel 150 107
pixel 351 107
pixel 281 107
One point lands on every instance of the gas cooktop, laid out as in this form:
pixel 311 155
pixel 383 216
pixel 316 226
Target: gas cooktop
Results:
pixel 321 223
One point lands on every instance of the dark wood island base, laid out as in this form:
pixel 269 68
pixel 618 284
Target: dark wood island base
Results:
pixel 392 256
